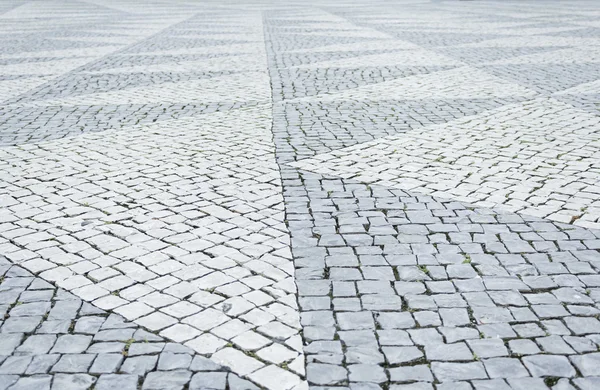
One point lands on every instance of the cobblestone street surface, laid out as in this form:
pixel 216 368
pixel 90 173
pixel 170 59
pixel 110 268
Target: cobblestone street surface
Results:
pixel 348 195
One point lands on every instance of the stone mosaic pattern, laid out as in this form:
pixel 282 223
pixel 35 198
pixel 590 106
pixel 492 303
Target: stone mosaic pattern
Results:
pixel 53 340
pixel 538 157
pixel 187 240
pixel 438 210
pixel 267 195
pixel 143 179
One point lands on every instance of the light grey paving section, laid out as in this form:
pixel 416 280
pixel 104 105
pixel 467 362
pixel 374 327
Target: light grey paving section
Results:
pixel 186 239
pixel 138 173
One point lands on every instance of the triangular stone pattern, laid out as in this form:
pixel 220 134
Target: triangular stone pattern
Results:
pixel 356 195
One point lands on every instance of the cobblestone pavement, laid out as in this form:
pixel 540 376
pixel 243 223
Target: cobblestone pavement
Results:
pixel 300 195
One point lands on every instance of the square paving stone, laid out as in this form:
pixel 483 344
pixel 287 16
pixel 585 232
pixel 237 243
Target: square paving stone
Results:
pixel 174 361
pixel 160 380
pixel 73 381
pixel 209 380
pixel 549 365
pixel 139 365
pixel 117 381
pixel 72 363
pixel 41 364
pixel 15 365
pixel 487 348
pixel 325 374
pixel 37 382
pixel 106 363
pixel 445 372
pixel 505 368
pixel 411 373
pixel 71 344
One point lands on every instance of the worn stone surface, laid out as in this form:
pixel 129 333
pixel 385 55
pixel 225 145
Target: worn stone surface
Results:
pixel 292 195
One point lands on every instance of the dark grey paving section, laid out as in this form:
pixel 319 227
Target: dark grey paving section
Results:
pixel 398 288
pixel 286 41
pixel 123 59
pixel 50 339
pixel 306 128
pixel 85 83
pixel 589 103
pixel 21 124
pixel 309 82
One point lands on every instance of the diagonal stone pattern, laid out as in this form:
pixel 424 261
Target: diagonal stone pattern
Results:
pixel 524 157
pixel 405 287
pixel 52 339
pixel 413 269
pixel 169 213
pixel 243 195
pixel 150 227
